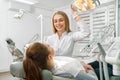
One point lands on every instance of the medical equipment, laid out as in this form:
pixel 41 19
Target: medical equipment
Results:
pixel 105 68
pixel 105 35
pixel 32 40
pixel 19 14
pixel 113 56
pixel 16 53
pixel 85 5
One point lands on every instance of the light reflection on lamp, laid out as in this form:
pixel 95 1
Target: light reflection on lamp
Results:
pixel 85 5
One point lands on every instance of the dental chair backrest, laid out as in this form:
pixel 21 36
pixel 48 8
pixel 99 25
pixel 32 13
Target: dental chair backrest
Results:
pixel 17 70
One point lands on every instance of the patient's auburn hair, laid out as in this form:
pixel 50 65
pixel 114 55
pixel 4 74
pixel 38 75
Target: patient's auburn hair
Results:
pixel 35 61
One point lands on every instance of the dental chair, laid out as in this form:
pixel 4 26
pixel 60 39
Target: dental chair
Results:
pixel 107 57
pixel 17 69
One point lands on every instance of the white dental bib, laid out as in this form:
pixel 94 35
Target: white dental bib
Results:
pixel 67 65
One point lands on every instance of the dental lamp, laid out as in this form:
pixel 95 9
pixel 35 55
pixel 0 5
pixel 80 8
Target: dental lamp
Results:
pixel 85 5
pixel 16 53
pixel 19 14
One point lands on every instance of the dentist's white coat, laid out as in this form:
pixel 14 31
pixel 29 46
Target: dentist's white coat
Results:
pixel 64 45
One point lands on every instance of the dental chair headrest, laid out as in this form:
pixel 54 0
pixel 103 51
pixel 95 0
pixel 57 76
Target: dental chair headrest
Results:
pixel 10 42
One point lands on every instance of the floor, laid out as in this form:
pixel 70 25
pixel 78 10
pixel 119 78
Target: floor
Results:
pixel 7 76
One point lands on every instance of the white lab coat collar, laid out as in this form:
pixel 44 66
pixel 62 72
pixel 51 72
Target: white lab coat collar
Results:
pixel 63 34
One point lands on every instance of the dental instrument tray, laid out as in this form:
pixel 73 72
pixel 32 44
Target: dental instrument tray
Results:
pixel 103 37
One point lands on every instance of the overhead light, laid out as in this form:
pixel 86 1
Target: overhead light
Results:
pixel 85 5
pixel 19 14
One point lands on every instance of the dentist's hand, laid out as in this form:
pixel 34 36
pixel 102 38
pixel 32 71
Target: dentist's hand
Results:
pixel 88 67
pixel 76 17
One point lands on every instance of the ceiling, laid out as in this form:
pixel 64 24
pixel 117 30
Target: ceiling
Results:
pixel 51 4
pixel 48 4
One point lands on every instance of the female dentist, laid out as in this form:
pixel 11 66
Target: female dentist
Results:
pixel 63 39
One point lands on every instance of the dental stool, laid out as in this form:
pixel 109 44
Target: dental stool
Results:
pixel 17 70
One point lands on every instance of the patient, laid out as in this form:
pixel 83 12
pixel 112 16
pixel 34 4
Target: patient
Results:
pixel 40 56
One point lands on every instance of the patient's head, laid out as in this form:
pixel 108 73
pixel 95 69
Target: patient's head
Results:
pixel 38 57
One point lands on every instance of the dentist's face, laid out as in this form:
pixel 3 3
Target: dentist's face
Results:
pixel 59 22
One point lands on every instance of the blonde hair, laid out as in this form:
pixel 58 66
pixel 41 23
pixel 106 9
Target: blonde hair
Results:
pixel 67 25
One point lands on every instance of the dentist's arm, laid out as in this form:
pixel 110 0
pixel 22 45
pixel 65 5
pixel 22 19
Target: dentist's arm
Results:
pixel 88 67
pixel 83 29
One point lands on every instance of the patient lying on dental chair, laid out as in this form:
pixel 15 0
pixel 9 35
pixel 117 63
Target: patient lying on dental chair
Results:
pixel 40 56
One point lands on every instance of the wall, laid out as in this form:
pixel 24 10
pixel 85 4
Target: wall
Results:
pixel 4 59
pixel 19 30
pixel 118 6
